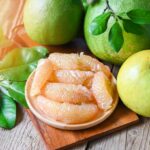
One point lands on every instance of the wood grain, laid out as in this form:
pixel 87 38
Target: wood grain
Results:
pixel 23 137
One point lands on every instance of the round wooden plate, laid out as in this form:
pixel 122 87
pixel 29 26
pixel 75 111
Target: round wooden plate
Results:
pixel 61 125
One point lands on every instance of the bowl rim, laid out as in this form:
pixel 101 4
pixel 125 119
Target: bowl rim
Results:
pixel 61 125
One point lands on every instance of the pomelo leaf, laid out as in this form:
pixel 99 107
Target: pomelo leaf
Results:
pixel 7 112
pixel 20 62
pixel 139 16
pixel 99 24
pixel 132 27
pixel 116 39
pixel 16 91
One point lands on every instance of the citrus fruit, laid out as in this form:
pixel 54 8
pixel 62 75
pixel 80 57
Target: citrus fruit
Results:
pixel 103 90
pixel 43 72
pixel 73 77
pixel 52 22
pixel 71 93
pixel 77 62
pixel 66 112
pixel 99 44
pixel 133 83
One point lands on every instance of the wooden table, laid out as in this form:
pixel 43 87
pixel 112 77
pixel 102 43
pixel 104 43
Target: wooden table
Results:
pixel 25 137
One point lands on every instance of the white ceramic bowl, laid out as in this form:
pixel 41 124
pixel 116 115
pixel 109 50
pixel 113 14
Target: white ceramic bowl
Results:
pixel 61 125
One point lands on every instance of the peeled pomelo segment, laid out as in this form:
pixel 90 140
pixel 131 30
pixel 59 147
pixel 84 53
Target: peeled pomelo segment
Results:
pixel 73 77
pixel 65 61
pixel 65 112
pixel 61 92
pixel 102 89
pixel 77 62
pixel 42 75
pixel 89 63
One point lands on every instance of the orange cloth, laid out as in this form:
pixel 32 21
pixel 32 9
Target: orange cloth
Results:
pixel 11 13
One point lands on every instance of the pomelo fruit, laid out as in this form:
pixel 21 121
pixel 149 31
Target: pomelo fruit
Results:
pixel 52 22
pixel 99 44
pixel 133 83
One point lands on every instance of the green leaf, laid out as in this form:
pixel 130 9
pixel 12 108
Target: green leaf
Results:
pixel 7 112
pixel 16 91
pixel 19 73
pixel 116 37
pixel 139 16
pixel 99 24
pixel 19 63
pixel 131 27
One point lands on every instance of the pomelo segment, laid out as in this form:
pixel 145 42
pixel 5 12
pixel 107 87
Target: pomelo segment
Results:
pixel 65 112
pixel 69 93
pixel 42 75
pixel 102 90
pixel 90 63
pixel 73 77
pixel 65 61
pixel 77 62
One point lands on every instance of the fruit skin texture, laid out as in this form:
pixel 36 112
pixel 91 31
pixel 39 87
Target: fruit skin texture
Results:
pixel 52 22
pixel 100 46
pixel 133 83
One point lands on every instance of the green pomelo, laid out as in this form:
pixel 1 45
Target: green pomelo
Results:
pixel 133 83
pixel 133 43
pixel 53 22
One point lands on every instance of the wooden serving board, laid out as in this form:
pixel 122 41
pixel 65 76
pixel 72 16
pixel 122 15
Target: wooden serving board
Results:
pixel 60 139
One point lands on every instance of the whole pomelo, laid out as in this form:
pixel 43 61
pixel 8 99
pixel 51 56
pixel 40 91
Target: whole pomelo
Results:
pixel 133 83
pixel 52 22
pixel 99 44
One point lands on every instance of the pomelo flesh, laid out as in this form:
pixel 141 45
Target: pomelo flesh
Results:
pixel 73 77
pixel 77 62
pixel 103 90
pixel 66 112
pixel 69 93
pixel 42 75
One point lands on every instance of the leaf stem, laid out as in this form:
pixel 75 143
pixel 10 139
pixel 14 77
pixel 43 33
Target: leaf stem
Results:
pixel 111 10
